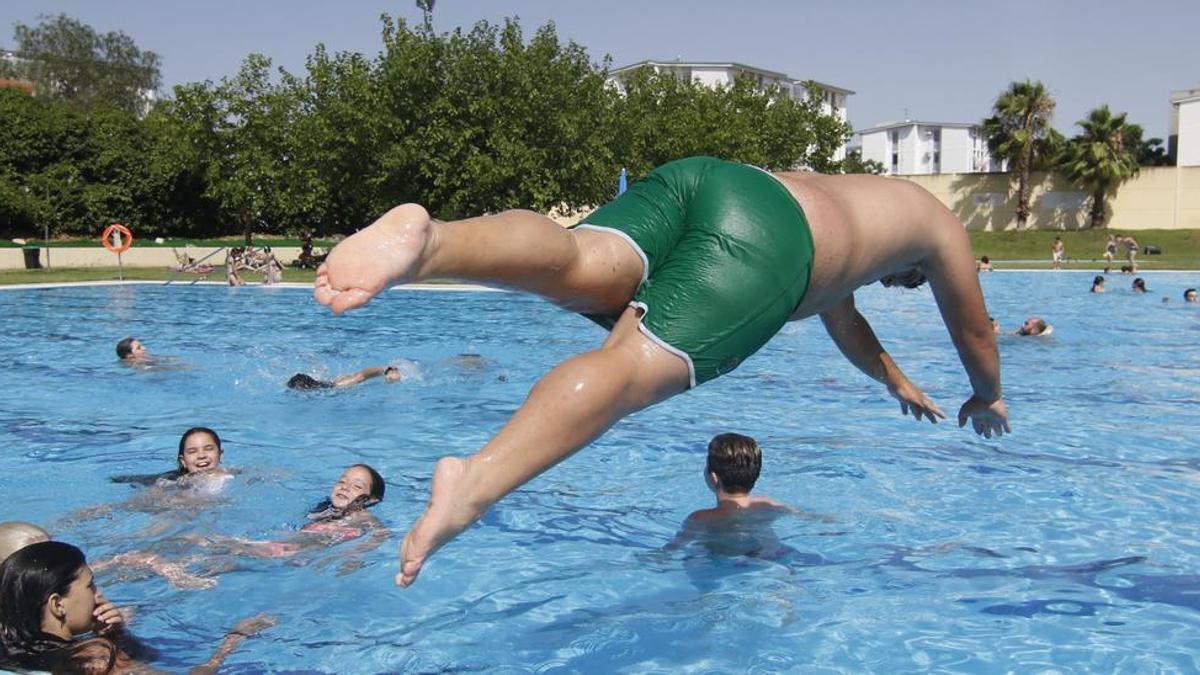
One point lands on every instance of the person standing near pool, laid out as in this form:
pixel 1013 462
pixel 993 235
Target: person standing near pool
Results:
pixel 1057 252
pixel 692 269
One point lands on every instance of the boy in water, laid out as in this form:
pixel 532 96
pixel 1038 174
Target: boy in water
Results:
pixel 692 269
pixel 734 463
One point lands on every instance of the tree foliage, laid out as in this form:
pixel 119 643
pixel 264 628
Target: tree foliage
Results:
pixel 1101 157
pixel 465 122
pixel 69 61
pixel 1019 131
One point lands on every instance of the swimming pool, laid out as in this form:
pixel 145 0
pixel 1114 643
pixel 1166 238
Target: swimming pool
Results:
pixel 1071 545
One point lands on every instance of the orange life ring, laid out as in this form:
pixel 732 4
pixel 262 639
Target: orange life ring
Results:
pixel 123 241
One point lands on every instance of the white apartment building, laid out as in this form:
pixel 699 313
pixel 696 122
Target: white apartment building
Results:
pixel 1184 143
pixel 910 147
pixel 714 74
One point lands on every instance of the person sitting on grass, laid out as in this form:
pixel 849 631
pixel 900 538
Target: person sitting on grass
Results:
pixel 1035 326
pixel 304 382
pixel 1098 284
pixel 48 599
pixel 735 524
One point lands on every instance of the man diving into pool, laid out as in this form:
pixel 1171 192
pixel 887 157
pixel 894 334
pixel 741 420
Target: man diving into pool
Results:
pixel 693 269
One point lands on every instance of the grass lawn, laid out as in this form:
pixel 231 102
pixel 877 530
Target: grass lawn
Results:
pixel 1007 250
pixel 1085 248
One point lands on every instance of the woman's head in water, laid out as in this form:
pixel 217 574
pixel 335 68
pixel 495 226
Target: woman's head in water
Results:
pixel 302 381
pixel 46 592
pixel 199 450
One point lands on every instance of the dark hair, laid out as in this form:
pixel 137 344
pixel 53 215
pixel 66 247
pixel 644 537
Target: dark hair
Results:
pixel 1139 283
pixel 910 278
pixel 984 260
pixel 1097 280
pixel 27 580
pixel 302 381
pixel 324 510
pixel 125 348
pixel 1185 293
pixel 188 434
pixel 737 461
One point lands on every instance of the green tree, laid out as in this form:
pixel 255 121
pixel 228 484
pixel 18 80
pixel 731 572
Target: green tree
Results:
pixel 1102 157
pixel 1019 131
pixel 67 60
pixel 854 163
pixel 661 117
pixel 1152 153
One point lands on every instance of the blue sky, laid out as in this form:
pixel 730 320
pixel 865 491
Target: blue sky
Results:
pixel 937 60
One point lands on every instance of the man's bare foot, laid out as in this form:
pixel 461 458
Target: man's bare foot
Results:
pixel 389 251
pixel 449 513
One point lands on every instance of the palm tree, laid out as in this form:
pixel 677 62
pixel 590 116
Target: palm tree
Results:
pixel 1019 131
pixel 1102 157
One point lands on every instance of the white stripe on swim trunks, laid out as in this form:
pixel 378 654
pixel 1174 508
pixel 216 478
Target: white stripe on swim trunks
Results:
pixel 629 240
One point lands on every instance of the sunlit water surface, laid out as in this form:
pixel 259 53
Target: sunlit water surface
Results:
pixel 1071 545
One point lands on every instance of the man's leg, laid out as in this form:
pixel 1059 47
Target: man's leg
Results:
pixel 568 408
pixel 582 270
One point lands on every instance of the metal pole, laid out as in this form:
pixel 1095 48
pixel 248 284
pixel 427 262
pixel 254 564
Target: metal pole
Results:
pixel 46 225
pixel 120 268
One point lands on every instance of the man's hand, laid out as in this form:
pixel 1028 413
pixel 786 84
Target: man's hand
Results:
pixel 912 400
pixel 986 417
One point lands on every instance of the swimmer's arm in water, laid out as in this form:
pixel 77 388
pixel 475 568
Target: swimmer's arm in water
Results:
pixel 955 285
pixel 359 377
pixel 233 639
pixel 857 342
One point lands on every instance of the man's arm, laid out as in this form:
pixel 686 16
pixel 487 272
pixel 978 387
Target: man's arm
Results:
pixel 960 301
pixel 857 342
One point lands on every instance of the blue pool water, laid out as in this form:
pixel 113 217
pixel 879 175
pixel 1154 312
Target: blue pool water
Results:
pixel 1070 546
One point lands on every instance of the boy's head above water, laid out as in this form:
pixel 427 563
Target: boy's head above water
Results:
pixel 734 462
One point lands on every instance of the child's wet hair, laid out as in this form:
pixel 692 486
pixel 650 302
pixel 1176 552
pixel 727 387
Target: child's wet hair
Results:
pixel 304 382
pixel 378 487
pixel 736 460
pixel 125 348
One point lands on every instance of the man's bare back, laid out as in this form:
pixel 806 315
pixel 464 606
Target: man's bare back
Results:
pixel 864 228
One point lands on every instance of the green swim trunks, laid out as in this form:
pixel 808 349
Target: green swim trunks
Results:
pixel 727 255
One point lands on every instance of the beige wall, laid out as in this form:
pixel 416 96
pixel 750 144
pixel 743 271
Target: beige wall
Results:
pixel 1158 198
pixel 13 258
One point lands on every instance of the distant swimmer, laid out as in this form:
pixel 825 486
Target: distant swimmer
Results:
pixel 1139 286
pixel 1189 295
pixel 389 373
pixel 984 265
pixel 1098 284
pixel 132 350
pixel 1035 326
pixel 692 270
